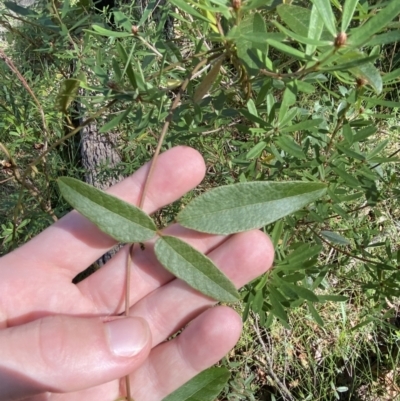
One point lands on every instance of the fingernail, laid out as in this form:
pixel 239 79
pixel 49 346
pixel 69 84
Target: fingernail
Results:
pixel 127 336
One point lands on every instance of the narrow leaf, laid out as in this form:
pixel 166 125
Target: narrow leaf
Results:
pixel 247 205
pixel 348 12
pixel 332 298
pixel 290 146
pixel 315 29
pixel 325 9
pixel 194 268
pixel 106 32
pixel 385 38
pixel 301 292
pixel 314 313
pixel 308 125
pixel 362 34
pixel 256 150
pixel 182 5
pixel 116 120
pixel 206 386
pixel 289 98
pixel 208 81
pixel 335 238
pixel 67 93
pixel 115 217
pixel 295 17
pixel 277 308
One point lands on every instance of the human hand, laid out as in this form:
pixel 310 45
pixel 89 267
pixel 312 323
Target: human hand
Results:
pixel 57 338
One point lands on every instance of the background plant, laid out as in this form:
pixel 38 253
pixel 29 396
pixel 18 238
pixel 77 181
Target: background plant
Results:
pixel 283 94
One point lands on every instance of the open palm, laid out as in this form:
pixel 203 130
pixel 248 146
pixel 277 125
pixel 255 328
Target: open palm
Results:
pixel 54 336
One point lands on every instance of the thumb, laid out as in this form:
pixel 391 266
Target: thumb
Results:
pixel 64 353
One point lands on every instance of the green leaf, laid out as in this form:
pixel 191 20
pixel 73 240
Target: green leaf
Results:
pixel 291 51
pixel 277 308
pixel 301 39
pixel 251 107
pixel 115 217
pixel 385 38
pixel 247 205
pixel 116 120
pixel 314 29
pixel 350 153
pixel 381 102
pixel 295 17
pixel 207 81
pixel 314 313
pixel 290 146
pixel 67 94
pixel 251 28
pixel 106 32
pixel 206 386
pixel 308 125
pixel 371 74
pixel 348 12
pixel 325 9
pixel 301 292
pixel 256 150
pixel 332 298
pixel 182 5
pixel 289 98
pixel 24 11
pixel 375 24
pixel 194 268
pixel 335 238
pixel 351 64
pixel 128 65
pixel 392 76
pixel 349 179
pixel 364 133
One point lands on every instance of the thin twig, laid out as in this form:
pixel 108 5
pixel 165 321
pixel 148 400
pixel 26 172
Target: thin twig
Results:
pixel 147 181
pixel 343 251
pixel 269 365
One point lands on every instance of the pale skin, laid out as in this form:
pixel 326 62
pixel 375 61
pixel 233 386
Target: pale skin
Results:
pixel 53 341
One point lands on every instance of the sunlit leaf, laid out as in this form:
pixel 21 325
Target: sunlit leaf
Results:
pixel 194 268
pixel 315 29
pixel 106 32
pixel 115 217
pixel 204 387
pixel 67 93
pixel 325 9
pixel 247 205
pixel 187 8
pixel 348 12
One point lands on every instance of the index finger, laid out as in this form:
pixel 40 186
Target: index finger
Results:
pixel 73 243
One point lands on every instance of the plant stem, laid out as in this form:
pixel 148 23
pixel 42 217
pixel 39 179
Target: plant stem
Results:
pixel 145 189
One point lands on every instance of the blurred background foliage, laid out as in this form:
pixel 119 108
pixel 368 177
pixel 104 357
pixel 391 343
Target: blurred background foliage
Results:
pixel 277 90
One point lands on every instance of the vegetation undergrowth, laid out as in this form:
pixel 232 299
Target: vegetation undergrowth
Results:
pixel 289 91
